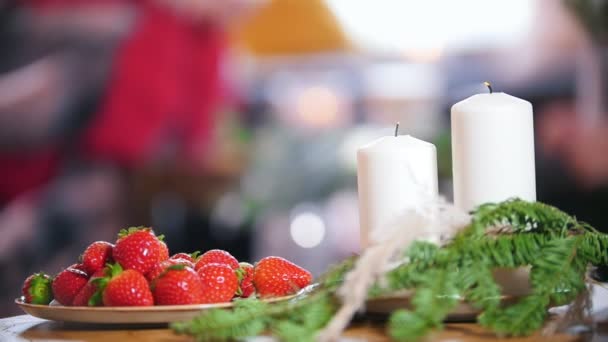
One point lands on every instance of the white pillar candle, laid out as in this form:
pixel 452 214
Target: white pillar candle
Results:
pixel 393 173
pixel 492 150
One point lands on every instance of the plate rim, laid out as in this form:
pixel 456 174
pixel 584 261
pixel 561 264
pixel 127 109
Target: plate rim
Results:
pixel 152 308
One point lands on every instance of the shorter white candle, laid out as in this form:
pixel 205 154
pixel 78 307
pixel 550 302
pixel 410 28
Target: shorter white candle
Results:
pixel 393 173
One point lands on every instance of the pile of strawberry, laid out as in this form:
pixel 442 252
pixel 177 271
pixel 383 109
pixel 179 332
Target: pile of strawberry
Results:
pixel 138 271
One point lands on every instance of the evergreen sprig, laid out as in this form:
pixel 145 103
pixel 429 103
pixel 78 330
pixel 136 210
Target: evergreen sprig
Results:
pixel 556 247
pixel 294 320
pixel 248 318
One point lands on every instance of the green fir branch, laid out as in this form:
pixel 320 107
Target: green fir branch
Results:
pixel 555 246
pixel 521 318
pixel 522 216
pixel 478 286
pixel 248 318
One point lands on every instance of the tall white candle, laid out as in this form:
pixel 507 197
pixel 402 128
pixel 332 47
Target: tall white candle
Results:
pixel 492 150
pixel 393 173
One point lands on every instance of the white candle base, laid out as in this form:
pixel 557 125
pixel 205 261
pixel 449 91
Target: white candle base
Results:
pixel 393 174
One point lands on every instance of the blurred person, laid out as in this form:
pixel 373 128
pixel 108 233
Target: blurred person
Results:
pixel 581 145
pixel 564 73
pixel 91 91
pixel 53 66
pixel 576 130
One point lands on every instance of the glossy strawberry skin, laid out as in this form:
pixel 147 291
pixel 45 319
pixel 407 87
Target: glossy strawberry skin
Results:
pixel 37 289
pixel 178 285
pixel 245 275
pixel 67 284
pixel 274 277
pixel 160 267
pixel 185 256
pixel 83 297
pixel 137 250
pixel 220 283
pixel 217 256
pixel 96 256
pixel 129 288
pixel 79 267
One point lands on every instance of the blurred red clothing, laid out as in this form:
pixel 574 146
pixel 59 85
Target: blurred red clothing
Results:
pixel 164 85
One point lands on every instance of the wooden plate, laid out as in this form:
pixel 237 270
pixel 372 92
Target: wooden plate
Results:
pixel 514 284
pixel 123 315
pixel 463 312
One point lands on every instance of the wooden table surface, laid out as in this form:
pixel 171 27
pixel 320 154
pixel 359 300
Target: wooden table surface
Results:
pixel 28 328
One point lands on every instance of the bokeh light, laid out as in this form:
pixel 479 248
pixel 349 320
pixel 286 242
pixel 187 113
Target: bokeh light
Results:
pixel 318 107
pixel 307 229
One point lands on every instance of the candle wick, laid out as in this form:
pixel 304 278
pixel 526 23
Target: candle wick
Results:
pixel 489 85
pixel 397 129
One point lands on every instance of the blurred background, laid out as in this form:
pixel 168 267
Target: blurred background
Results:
pixel 234 124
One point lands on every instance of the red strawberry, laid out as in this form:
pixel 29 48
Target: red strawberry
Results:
pixel 159 268
pixel 67 284
pixel 219 283
pixel 190 257
pixel 274 277
pixel 37 289
pixel 137 249
pixel 245 276
pixel 96 256
pixel 178 285
pixel 217 256
pixel 85 297
pixel 163 250
pixel 125 288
